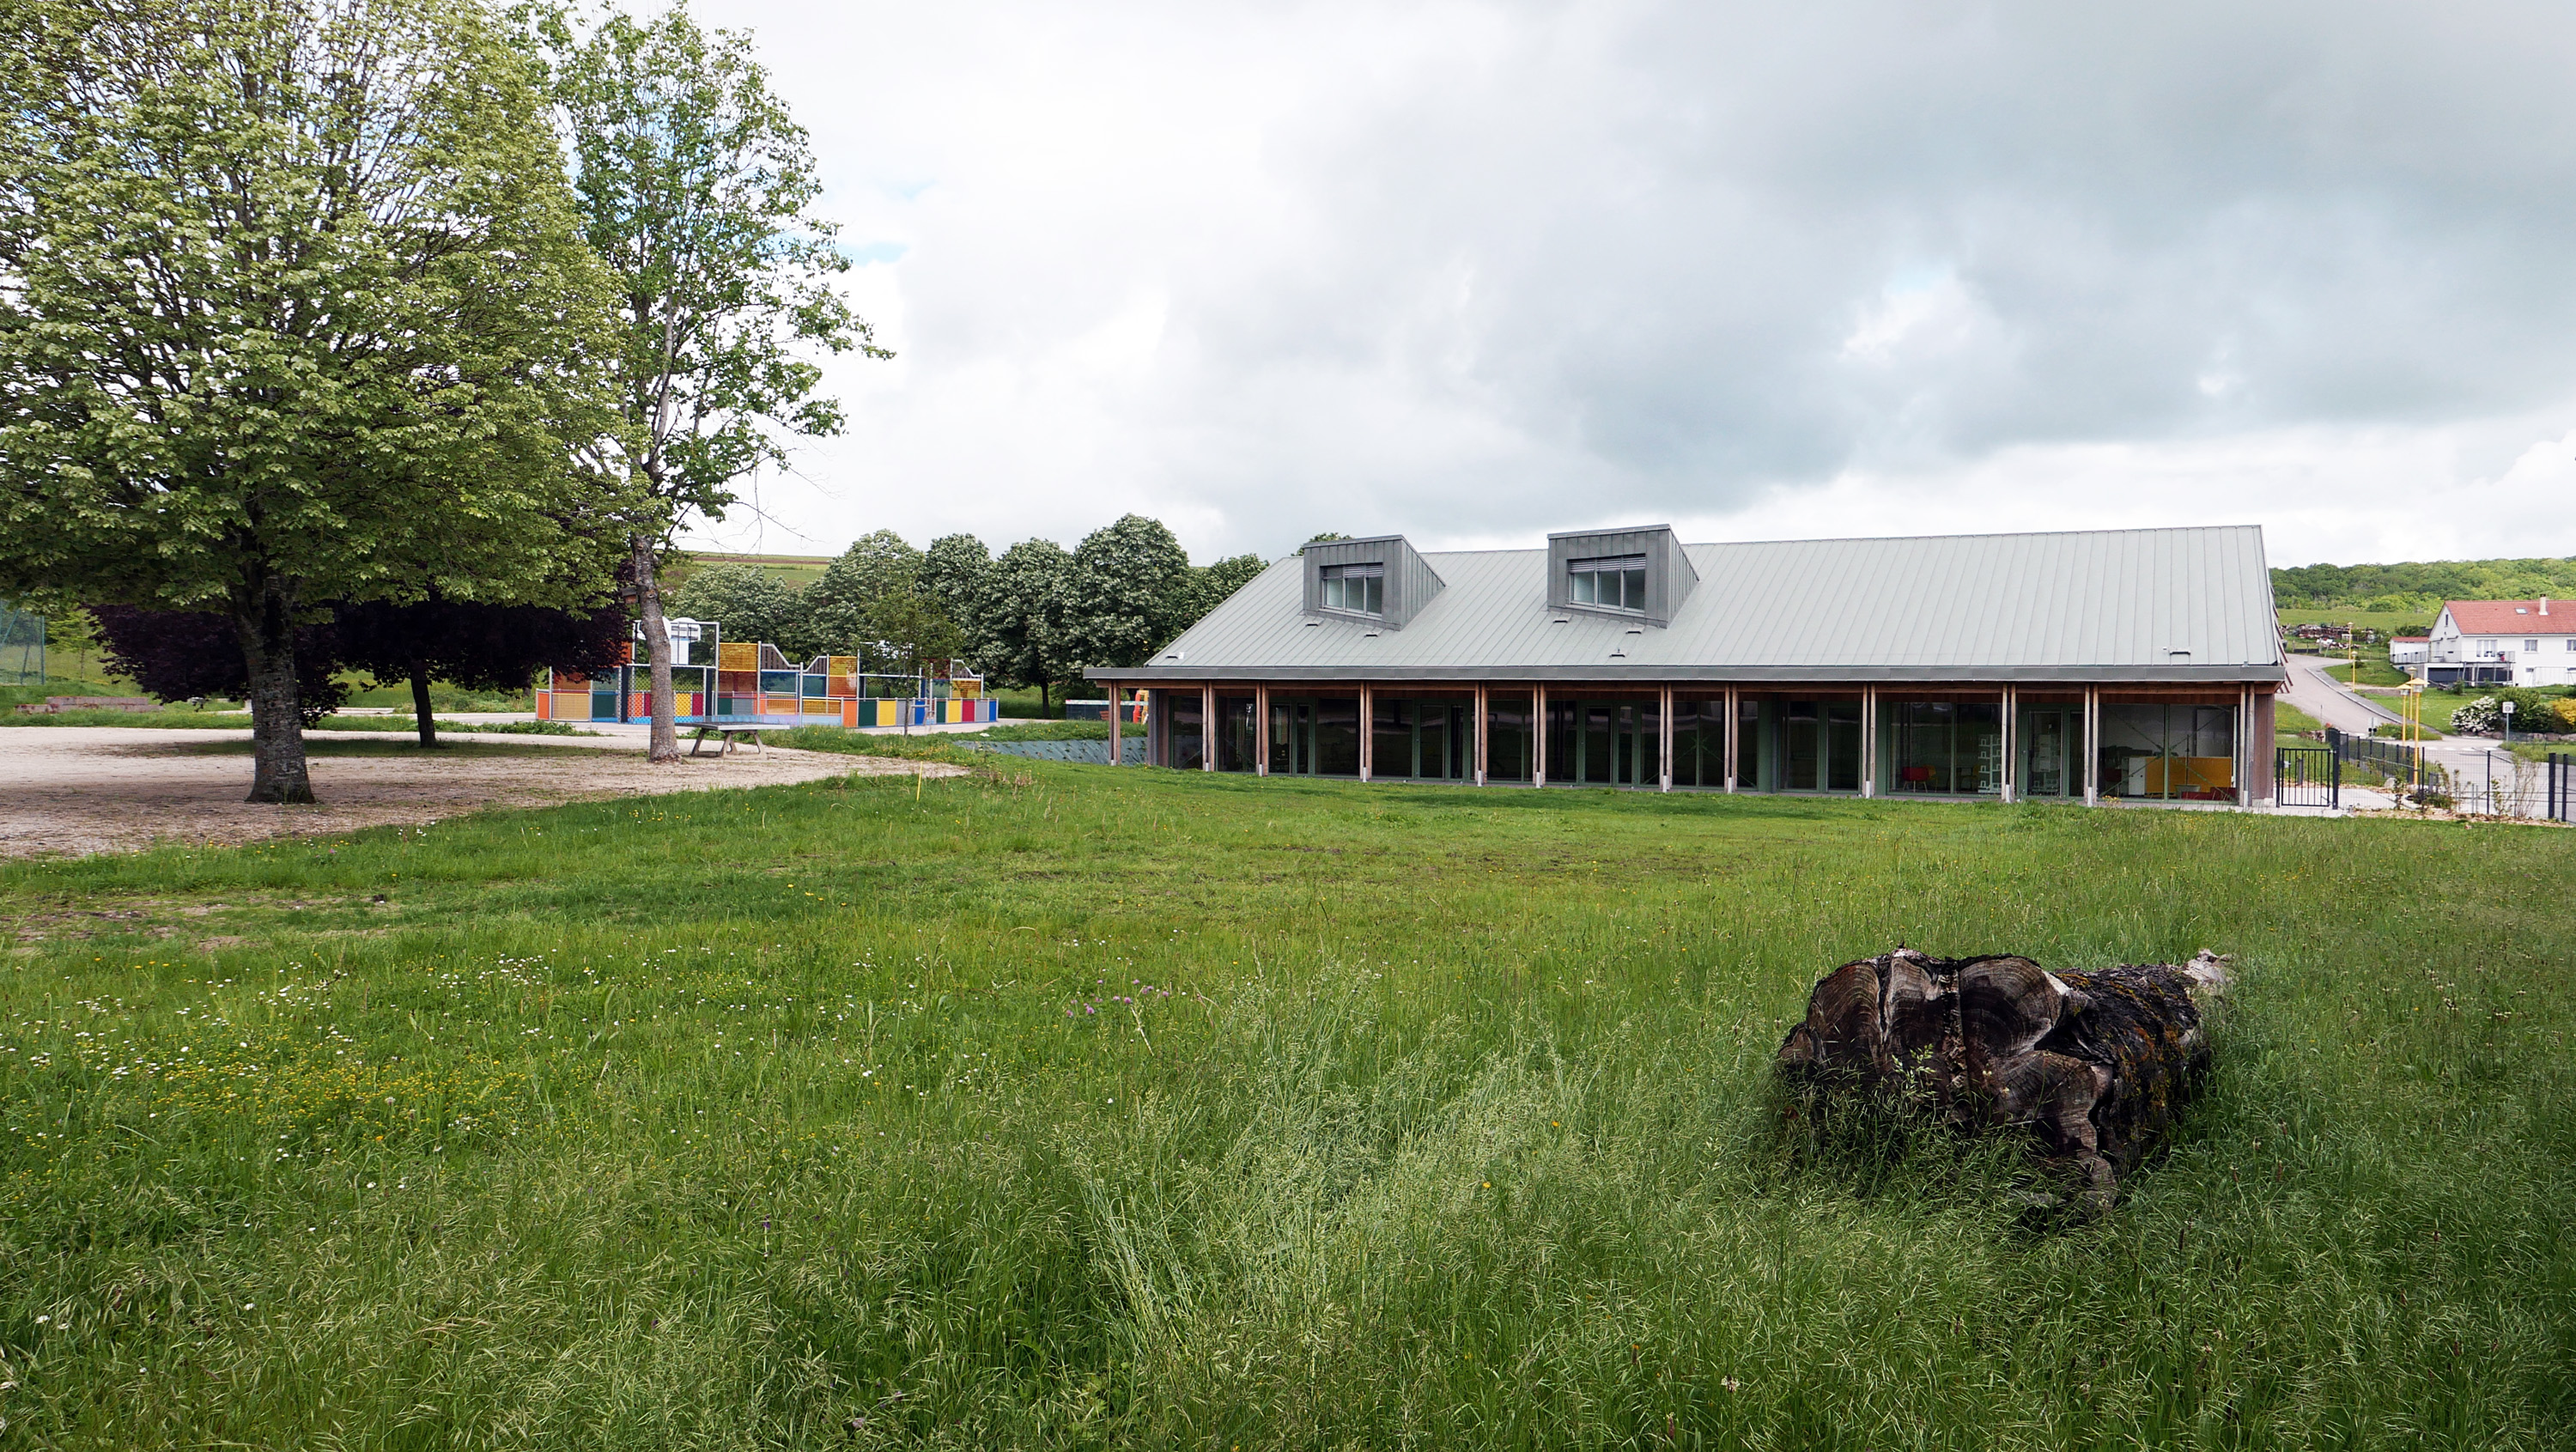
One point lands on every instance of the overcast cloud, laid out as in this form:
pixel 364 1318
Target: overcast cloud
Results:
pixel 1474 272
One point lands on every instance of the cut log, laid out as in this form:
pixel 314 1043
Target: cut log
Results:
pixel 2094 1065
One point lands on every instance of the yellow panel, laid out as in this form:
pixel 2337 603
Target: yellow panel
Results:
pixel 738 655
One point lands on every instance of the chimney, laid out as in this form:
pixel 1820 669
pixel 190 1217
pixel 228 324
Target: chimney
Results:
pixel 2544 604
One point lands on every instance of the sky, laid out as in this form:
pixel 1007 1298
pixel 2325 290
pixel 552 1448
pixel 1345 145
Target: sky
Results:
pixel 1473 272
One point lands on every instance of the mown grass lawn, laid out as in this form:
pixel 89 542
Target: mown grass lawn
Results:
pixel 1094 1107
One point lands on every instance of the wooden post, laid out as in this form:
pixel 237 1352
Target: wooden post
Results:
pixel 2244 766
pixel 1664 738
pixel 1261 729
pixel 1538 736
pixel 1207 727
pixel 1734 714
pixel 2092 746
pixel 1869 741
pixel 1368 730
pixel 1114 755
pixel 1481 692
pixel 2013 739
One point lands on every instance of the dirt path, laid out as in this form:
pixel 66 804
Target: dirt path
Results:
pixel 83 789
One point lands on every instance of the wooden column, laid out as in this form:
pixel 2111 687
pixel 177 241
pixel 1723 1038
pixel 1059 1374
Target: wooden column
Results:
pixel 1734 715
pixel 2244 746
pixel 2092 746
pixel 1480 734
pixel 1538 736
pixel 1114 754
pixel 1368 730
pixel 1664 738
pixel 1869 741
pixel 1261 729
pixel 1207 728
pixel 2011 779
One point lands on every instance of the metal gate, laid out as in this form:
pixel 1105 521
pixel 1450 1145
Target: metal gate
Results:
pixel 2307 776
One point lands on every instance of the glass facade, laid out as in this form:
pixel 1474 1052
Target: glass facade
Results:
pixel 1699 742
pixel 1603 743
pixel 1238 733
pixel 2181 751
pixel 2052 752
pixel 1184 729
pixel 1944 748
pixel 1315 735
pixel 1433 740
pixel 1508 734
pixel 2168 752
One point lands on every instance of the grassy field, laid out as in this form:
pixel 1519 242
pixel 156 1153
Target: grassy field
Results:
pixel 1081 1107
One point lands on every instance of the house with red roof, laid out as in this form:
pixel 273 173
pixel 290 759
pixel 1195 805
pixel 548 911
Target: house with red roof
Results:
pixel 2503 643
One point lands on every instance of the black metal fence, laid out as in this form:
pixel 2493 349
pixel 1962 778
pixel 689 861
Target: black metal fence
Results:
pixel 2562 788
pixel 2307 776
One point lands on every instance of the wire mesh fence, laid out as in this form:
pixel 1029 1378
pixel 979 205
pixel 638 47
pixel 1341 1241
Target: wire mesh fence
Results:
pixel 22 647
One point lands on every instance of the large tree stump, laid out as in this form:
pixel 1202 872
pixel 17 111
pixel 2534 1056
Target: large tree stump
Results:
pixel 2094 1064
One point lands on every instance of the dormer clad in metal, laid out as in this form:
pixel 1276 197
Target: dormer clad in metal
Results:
pixel 1613 554
pixel 1405 582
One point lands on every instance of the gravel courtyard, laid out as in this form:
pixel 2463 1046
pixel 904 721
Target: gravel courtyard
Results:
pixel 75 790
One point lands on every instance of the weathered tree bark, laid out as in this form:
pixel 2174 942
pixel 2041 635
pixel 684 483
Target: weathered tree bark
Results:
pixel 266 624
pixel 422 721
pixel 2094 1064
pixel 664 744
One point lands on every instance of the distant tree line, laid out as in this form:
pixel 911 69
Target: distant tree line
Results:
pixel 1031 617
pixel 2419 587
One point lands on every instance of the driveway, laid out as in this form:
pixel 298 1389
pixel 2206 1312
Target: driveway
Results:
pixel 2330 701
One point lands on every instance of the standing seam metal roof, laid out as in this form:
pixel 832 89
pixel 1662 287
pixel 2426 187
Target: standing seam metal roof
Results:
pixel 2080 605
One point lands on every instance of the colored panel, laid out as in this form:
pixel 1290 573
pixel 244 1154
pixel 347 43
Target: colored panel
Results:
pixel 778 683
pixel 842 685
pixel 640 703
pixel 545 705
pixel 885 713
pixel 737 683
pixel 778 706
pixel 844 665
pixel 738 656
pixel 814 686
pixel 822 706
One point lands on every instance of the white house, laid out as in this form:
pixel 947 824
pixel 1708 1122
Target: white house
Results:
pixel 2409 652
pixel 2502 643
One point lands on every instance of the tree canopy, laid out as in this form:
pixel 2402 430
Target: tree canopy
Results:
pixel 749 604
pixel 1131 590
pixel 693 183
pixel 293 309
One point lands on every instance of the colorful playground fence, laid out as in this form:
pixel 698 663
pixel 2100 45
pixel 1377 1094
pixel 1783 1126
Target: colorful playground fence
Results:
pixel 724 681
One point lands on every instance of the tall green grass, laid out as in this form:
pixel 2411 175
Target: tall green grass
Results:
pixel 1089 1107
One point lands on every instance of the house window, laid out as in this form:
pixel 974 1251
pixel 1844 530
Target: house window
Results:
pixel 1360 588
pixel 1615 582
pixel 2486 647
pixel 2571 645
pixel 2531 645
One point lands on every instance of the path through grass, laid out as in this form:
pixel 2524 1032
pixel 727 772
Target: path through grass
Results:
pixel 1085 1107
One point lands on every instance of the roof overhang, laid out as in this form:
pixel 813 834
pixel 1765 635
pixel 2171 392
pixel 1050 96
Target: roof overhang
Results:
pixel 1712 675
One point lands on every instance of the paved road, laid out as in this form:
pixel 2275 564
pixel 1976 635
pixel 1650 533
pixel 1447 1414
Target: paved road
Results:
pixel 2330 701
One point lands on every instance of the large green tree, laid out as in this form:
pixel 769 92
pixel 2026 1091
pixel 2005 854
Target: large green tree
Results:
pixel 1130 591
pixel 294 309
pixel 1020 629
pixel 693 183
pixel 749 604
pixel 845 606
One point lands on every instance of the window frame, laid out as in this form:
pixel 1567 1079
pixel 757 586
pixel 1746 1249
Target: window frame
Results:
pixel 1335 580
pixel 1629 570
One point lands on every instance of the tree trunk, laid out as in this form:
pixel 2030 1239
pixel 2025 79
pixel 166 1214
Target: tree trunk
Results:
pixel 2094 1064
pixel 665 743
pixel 1044 710
pixel 427 725
pixel 266 624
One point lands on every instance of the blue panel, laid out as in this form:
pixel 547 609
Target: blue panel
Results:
pixel 779 683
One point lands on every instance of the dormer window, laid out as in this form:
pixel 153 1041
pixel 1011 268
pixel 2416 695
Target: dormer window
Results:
pixel 1360 589
pixel 1610 582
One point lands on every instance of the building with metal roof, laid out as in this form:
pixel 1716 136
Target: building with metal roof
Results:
pixel 2090 665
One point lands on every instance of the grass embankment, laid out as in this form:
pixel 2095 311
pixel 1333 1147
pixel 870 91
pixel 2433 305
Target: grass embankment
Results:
pixel 1129 1108
pixel 182 718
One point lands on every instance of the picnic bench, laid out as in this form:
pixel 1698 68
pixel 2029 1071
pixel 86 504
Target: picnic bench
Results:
pixel 730 733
